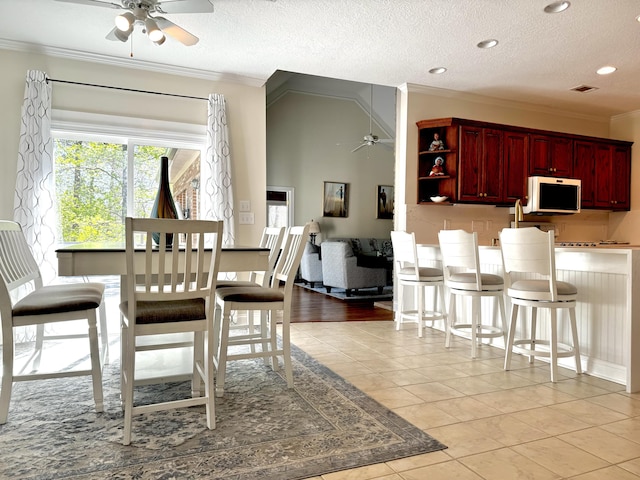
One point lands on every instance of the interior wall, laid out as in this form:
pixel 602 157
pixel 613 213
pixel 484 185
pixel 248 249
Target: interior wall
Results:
pixel 309 141
pixel 245 115
pixel 627 225
pixel 426 220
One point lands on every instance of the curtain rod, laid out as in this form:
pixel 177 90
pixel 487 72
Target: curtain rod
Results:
pixel 125 89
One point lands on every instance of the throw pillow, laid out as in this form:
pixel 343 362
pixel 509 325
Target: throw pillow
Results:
pixel 356 246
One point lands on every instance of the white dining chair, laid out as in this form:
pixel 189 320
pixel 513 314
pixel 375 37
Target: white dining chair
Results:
pixel 463 278
pixel 528 257
pixel 409 273
pixel 272 299
pixel 272 239
pixel 25 301
pixel 170 292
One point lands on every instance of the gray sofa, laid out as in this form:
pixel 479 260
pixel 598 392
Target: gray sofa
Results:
pixel 310 265
pixel 340 267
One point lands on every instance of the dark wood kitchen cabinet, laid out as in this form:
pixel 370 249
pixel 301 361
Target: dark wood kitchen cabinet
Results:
pixel 612 176
pixel 489 163
pixel 481 173
pixel 550 156
pixel 515 166
pixel 584 162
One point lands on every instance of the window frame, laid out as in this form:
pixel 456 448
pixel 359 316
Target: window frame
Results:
pixel 130 131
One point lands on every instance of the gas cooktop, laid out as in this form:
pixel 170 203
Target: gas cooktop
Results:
pixel 600 243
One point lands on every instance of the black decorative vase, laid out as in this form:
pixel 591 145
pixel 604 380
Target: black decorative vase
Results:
pixel 164 206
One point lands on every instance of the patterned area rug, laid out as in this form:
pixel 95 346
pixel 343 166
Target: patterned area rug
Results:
pixel 264 430
pixel 356 295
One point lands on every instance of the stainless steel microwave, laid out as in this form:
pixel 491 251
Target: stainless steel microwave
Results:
pixel 553 196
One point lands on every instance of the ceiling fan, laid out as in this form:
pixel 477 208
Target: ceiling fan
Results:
pixel 142 13
pixel 370 139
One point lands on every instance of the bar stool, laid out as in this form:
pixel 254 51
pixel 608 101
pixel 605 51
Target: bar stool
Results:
pixel 532 251
pixel 462 275
pixel 410 274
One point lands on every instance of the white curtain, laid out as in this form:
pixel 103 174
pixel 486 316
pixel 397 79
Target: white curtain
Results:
pixel 217 192
pixel 34 196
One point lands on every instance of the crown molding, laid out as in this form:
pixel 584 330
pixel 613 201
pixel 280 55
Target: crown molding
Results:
pixel 130 63
pixel 486 100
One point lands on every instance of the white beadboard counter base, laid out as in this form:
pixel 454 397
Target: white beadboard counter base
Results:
pixel 607 310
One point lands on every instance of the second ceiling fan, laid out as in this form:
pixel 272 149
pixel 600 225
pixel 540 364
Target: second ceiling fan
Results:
pixel 370 139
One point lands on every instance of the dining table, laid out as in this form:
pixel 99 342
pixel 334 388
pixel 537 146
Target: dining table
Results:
pixel 101 258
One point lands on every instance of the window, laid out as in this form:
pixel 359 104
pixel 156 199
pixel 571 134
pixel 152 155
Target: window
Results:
pixel 280 206
pixel 100 178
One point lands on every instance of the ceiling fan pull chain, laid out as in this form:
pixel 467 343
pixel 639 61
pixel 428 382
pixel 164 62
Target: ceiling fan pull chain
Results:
pixel 131 46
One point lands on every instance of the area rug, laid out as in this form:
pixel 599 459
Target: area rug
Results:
pixel 356 295
pixel 264 430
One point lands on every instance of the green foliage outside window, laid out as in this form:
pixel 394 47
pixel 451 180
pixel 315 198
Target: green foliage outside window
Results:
pixel 91 188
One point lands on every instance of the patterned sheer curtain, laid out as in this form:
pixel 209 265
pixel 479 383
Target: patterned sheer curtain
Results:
pixel 217 193
pixel 34 196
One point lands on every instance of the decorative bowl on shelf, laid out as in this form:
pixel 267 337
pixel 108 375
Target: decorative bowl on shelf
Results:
pixel 439 199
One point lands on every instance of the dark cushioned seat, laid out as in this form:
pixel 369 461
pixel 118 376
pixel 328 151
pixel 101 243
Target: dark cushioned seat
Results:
pixel 60 298
pixel 169 311
pixel 249 294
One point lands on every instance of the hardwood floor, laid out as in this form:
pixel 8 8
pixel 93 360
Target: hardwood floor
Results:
pixel 309 306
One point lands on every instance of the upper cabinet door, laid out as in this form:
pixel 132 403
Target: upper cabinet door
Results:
pixel 584 162
pixel 550 156
pixel 516 166
pixel 481 173
pixel 470 146
pixel 621 178
pixel 492 171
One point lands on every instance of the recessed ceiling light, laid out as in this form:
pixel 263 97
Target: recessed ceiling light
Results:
pixel 557 7
pixel 606 70
pixel 638 18
pixel 488 43
pixel 438 70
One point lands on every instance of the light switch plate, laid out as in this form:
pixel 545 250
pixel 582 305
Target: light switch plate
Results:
pixel 246 218
pixel 245 206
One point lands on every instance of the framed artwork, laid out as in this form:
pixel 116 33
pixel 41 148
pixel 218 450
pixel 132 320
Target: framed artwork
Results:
pixel 384 201
pixel 335 199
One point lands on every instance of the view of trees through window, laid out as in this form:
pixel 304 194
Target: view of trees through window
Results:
pixel 91 187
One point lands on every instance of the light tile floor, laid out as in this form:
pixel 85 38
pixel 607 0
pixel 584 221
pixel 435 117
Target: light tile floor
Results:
pixel 498 425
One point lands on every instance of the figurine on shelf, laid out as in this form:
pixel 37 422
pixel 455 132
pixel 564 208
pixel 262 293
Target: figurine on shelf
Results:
pixel 438 167
pixel 437 144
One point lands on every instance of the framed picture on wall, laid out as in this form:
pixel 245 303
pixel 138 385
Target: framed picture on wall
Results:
pixel 384 199
pixel 335 199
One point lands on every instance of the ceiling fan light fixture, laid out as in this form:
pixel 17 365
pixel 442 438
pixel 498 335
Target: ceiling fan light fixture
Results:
pixel 125 21
pixel 122 36
pixel 153 32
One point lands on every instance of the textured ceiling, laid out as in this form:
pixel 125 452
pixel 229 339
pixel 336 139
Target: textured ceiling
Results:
pixel 388 42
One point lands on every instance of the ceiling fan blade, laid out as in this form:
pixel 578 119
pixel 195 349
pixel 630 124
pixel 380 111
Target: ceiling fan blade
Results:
pixel 176 32
pixel 185 6
pixel 359 147
pixel 112 35
pixel 95 3
pixel 385 140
